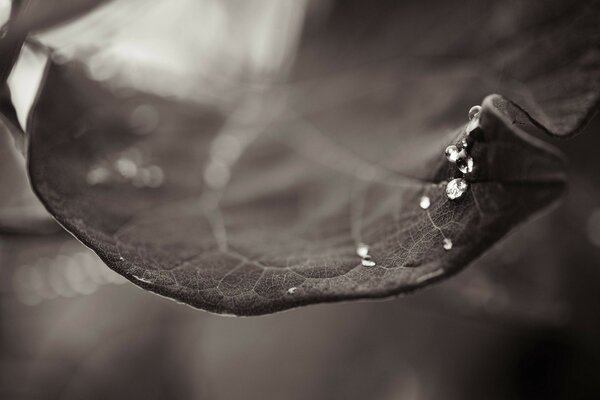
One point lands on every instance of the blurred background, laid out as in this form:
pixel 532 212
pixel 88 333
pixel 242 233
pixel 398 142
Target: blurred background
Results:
pixel 520 323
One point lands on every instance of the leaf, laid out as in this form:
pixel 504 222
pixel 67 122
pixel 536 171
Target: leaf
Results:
pixel 344 160
pixel 288 217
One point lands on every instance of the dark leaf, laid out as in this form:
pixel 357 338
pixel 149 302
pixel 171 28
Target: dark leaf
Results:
pixel 344 161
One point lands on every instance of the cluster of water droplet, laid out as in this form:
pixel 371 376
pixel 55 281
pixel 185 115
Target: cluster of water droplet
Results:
pixel 459 154
pixel 72 272
pixel 128 166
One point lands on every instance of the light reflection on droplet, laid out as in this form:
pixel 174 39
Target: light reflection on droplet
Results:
pixel 466 143
pixel 474 112
pixel 144 119
pixel 456 188
pixel 593 227
pixel 453 153
pixel 367 262
pixel 447 244
pixel 425 202
pixel 465 165
pixel 292 290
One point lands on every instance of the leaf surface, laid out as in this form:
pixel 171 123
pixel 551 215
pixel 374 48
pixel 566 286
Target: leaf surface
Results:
pixel 342 157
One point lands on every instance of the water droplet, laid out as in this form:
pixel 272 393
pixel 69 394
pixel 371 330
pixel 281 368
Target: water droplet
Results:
pixel 466 143
pixel 474 112
pixel 367 261
pixel 144 119
pixel 425 202
pixel 453 153
pixel 126 167
pixel 292 290
pixel 121 258
pixel 97 175
pixel 362 250
pixel 447 244
pixel 456 188
pixel 465 165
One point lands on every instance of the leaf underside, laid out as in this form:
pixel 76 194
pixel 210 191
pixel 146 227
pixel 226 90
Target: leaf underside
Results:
pixel 334 172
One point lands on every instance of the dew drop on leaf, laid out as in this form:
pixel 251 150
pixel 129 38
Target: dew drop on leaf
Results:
pixel 474 112
pixel 447 244
pixel 466 143
pixel 465 165
pixel 453 153
pixel 292 290
pixel 456 188
pixel 367 262
pixel 425 202
pixel 362 250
